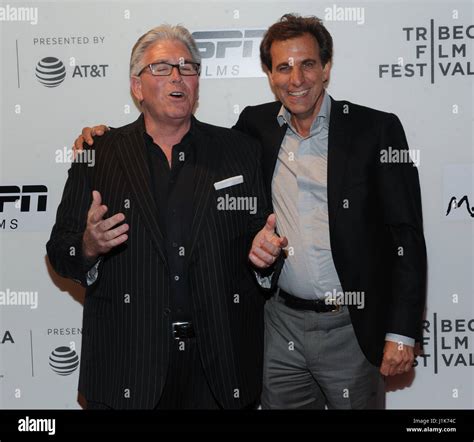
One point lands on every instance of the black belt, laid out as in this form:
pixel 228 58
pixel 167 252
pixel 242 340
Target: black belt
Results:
pixel 182 330
pixel 308 304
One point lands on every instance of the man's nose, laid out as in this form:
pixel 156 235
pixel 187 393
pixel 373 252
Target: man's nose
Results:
pixel 175 75
pixel 297 76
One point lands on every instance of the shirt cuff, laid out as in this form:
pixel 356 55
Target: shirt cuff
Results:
pixel 264 281
pixel 93 273
pixel 405 340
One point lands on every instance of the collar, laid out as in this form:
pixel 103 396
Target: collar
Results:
pixel 284 115
pixel 185 141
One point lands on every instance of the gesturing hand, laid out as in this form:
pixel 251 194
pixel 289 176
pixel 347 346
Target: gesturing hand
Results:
pixel 100 235
pixel 266 245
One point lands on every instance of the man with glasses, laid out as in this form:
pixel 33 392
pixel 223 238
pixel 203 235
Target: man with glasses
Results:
pixel 172 317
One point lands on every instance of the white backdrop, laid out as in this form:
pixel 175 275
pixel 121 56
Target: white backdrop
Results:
pixel 413 58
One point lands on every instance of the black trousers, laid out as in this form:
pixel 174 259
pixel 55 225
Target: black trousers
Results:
pixel 186 386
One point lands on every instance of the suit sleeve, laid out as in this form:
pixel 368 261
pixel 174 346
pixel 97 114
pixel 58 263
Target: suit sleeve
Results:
pixel 257 220
pixel 267 279
pixel 400 198
pixel 65 244
pixel 241 124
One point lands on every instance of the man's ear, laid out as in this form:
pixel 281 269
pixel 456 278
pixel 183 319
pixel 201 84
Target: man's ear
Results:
pixel 136 87
pixel 270 76
pixel 327 71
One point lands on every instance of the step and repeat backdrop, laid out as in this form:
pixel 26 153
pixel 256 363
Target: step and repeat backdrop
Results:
pixel 64 65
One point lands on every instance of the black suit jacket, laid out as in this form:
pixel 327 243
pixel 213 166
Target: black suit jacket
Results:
pixel 126 322
pixel 375 218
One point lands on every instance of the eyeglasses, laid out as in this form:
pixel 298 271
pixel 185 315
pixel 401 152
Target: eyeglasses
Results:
pixel 163 69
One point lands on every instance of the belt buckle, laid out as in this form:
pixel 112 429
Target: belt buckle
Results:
pixel 185 326
pixel 328 307
pixel 336 308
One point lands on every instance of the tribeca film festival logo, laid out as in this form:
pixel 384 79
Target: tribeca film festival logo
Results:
pixel 16 202
pixel 64 360
pixel 447 342
pixel 438 50
pixel 230 53
pixel 51 71
pixel 19 14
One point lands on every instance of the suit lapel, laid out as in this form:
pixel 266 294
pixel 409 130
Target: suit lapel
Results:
pixel 338 145
pixel 208 156
pixel 272 148
pixel 272 135
pixel 132 156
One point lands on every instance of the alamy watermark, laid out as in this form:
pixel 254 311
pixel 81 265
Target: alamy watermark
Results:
pixel 247 203
pixel 12 297
pixel 337 297
pixel 14 13
pixel 37 425
pixel 67 155
pixel 345 13
pixel 391 155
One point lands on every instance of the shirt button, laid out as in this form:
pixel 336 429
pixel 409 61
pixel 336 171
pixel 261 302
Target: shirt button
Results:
pixel 167 311
pixel 176 277
pixel 175 244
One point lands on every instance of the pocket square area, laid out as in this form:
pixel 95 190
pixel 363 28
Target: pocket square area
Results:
pixel 232 181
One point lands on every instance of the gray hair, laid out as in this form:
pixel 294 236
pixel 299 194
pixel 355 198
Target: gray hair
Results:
pixel 162 32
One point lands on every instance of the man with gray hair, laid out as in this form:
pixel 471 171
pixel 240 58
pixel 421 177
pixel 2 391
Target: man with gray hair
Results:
pixel 172 316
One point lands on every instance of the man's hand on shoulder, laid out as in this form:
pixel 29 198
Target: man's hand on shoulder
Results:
pixel 87 136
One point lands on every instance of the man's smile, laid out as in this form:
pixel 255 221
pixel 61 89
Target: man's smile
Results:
pixel 298 93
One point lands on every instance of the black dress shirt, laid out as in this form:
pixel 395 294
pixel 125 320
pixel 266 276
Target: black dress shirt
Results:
pixel 172 188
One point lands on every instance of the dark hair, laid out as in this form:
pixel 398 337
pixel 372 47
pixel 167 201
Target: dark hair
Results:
pixel 292 26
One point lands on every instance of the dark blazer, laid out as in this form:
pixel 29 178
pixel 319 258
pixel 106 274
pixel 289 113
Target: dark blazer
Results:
pixel 375 218
pixel 125 345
